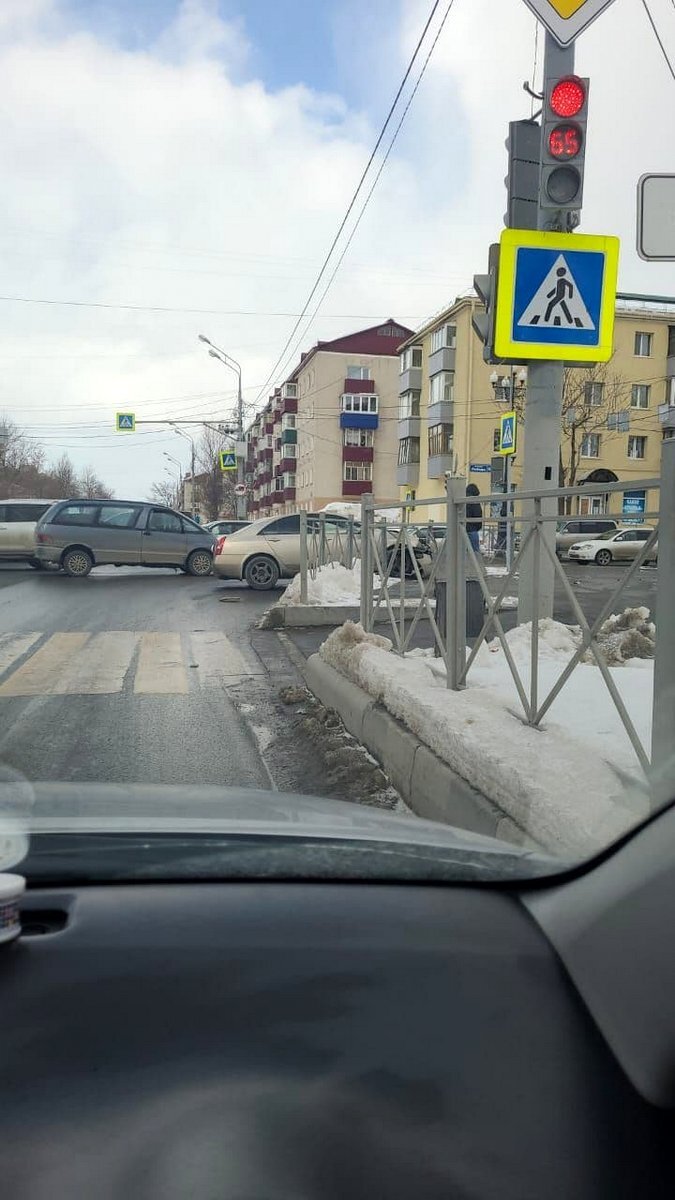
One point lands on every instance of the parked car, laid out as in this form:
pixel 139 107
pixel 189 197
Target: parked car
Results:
pixel 18 519
pixel 225 526
pixel 621 545
pixel 569 533
pixel 77 535
pixel 268 549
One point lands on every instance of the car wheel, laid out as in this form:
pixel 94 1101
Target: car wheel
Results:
pixel 200 562
pixel 77 563
pixel 603 558
pixel 261 573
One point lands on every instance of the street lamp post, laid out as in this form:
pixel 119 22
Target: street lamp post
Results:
pixel 182 433
pixel 180 474
pixel 172 475
pixel 507 390
pixel 228 361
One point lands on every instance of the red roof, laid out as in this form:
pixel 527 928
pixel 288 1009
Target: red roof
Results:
pixel 383 339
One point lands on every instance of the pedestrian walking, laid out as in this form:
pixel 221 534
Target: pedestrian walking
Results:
pixel 474 518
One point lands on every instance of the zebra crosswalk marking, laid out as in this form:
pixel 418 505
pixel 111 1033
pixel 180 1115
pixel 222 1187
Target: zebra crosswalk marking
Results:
pixel 160 669
pixel 219 662
pixel 14 646
pixel 100 667
pixel 39 675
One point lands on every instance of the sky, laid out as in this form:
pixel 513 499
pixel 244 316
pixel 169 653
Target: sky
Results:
pixel 177 167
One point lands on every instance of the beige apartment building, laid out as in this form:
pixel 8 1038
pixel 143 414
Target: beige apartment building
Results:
pixel 330 432
pixel 615 415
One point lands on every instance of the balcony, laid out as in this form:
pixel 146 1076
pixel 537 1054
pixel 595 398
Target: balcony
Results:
pixel 289 405
pixel 441 413
pixel 357 453
pixel 358 386
pixel 352 420
pixel 265 454
pixel 438 464
pixel 289 493
pixel 410 380
pixel 356 487
pixel 289 437
pixel 667 415
pixel 289 391
pixel 268 427
pixel 408 473
pixel 409 427
pixel 287 464
pixel 441 360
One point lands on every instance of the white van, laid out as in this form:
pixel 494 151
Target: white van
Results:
pixel 17 530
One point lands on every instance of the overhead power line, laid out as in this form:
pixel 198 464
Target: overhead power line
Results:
pixel 202 312
pixel 657 35
pixel 375 181
pixel 353 200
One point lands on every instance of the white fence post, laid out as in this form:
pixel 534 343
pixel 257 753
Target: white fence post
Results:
pixel 663 714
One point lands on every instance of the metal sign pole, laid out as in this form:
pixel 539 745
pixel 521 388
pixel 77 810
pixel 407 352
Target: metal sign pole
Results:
pixel 543 420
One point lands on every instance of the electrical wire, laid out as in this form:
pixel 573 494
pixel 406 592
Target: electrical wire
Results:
pixel 352 202
pixel 375 181
pixel 657 35
pixel 203 312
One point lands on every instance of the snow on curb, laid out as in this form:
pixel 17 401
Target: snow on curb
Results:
pixel 553 783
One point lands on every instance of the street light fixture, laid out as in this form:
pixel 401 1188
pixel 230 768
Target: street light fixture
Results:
pixel 228 361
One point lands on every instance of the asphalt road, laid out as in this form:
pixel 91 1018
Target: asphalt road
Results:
pixel 136 676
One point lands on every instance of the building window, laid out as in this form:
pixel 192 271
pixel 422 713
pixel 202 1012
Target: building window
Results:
pixel 440 440
pixel 409 405
pixel 444 338
pixel 593 394
pixel 639 395
pixel 637 446
pixel 408 451
pixel 357 472
pixel 671 341
pixel 643 344
pixel 289 451
pixel 288 421
pixel 289 391
pixel 442 387
pixel 391 331
pixel 289 479
pixel 358 372
pixel 590 447
pixel 357 437
pixel 411 357
pixel 359 403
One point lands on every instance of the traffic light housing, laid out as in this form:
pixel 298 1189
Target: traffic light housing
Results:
pixel 523 147
pixel 563 146
pixel 486 289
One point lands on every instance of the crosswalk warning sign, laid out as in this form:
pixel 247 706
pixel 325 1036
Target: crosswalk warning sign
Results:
pixel 125 422
pixel 227 460
pixel 557 302
pixel 507 433
pixel 556 296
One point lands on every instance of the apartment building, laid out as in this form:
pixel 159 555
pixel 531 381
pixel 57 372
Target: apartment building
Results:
pixel 615 415
pixel 329 433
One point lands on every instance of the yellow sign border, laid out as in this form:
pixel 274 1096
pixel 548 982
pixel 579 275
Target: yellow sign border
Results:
pixel 510 242
pixel 123 428
pixel 230 466
pixel 504 417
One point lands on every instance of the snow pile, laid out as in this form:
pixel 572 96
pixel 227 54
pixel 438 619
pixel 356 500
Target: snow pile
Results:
pixel 558 784
pixel 622 638
pixel 332 584
pixel 626 636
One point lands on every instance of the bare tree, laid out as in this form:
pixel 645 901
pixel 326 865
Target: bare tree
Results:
pixel 164 493
pixel 214 488
pixel 65 479
pixel 90 486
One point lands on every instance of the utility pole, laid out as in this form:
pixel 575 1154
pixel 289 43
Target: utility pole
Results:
pixel 228 361
pixel 543 404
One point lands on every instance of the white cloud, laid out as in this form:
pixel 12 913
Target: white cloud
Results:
pixel 168 177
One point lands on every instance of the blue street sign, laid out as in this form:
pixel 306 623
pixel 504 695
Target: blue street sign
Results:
pixel 480 468
pixel 125 422
pixel 507 433
pixel 556 296
pixel 227 460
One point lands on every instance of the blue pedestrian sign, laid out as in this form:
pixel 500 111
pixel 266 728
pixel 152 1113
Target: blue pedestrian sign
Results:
pixel 507 433
pixel 125 422
pixel 227 460
pixel 556 296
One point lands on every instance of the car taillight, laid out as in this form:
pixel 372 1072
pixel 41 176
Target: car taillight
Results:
pixel 220 542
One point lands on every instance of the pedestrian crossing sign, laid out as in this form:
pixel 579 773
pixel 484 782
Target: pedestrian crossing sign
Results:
pixel 125 422
pixel 508 423
pixel 556 295
pixel 227 460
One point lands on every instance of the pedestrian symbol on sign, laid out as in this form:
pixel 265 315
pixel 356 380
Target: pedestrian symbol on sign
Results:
pixel 557 302
pixel 125 422
pixel 507 433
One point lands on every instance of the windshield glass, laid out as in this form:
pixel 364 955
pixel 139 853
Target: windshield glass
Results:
pixel 293 503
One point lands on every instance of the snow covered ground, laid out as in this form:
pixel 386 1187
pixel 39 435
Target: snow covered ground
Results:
pixel 332 584
pixel 572 785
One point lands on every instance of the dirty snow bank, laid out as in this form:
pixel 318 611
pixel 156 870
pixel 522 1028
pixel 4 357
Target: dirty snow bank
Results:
pixel 553 782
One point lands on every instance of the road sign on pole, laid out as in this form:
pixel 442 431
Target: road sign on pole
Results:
pixel 566 19
pixel 656 218
pixel 227 460
pixel 556 296
pixel 125 422
pixel 508 425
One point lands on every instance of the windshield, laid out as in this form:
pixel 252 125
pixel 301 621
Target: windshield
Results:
pixel 282 468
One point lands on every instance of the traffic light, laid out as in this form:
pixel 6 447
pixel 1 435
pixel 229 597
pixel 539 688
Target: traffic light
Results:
pixel 563 145
pixel 486 289
pixel 523 147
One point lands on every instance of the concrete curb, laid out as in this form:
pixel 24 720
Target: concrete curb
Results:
pixel 428 785
pixel 288 616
